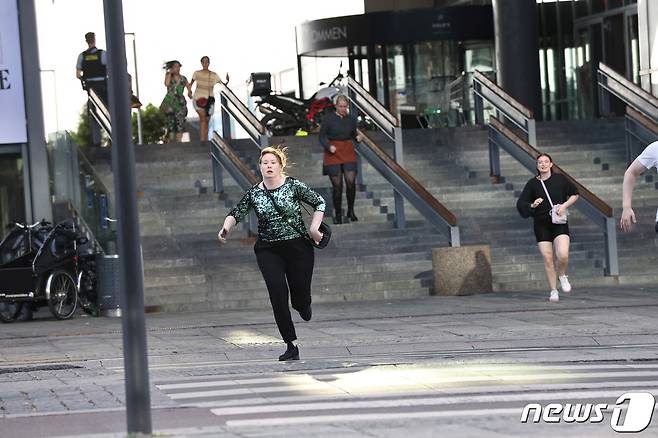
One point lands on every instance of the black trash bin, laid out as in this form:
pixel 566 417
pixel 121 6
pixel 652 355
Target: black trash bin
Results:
pixel 107 278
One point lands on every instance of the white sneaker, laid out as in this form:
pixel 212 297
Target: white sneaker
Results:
pixel 564 283
pixel 555 297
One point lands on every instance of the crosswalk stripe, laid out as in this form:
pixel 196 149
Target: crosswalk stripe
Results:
pixel 212 383
pixel 415 402
pixel 354 384
pixel 239 391
pixel 624 387
pixel 247 378
pixel 261 422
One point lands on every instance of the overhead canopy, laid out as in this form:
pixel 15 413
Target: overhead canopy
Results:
pixel 328 36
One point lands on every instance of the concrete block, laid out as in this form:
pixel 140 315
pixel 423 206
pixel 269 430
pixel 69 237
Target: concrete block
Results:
pixel 462 271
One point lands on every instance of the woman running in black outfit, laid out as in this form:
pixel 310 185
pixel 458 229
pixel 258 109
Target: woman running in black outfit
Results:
pixel 285 257
pixel 551 238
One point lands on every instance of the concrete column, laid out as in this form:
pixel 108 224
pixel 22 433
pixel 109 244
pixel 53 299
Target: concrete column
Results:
pixel 36 150
pixel 647 15
pixel 517 51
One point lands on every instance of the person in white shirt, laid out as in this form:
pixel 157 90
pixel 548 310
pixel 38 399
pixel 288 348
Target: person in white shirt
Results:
pixel 646 160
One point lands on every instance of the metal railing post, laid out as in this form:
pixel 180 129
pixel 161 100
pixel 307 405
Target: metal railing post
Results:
pixel 611 253
pixel 479 104
pixel 532 132
pixel 494 159
pixel 629 140
pixel 263 141
pixel 455 241
pixel 217 174
pixel 226 118
pixel 359 162
pixel 604 102
pixel 400 221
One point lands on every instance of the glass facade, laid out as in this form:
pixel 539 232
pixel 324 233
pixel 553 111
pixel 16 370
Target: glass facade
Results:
pixel 574 36
pixel 12 191
pixel 430 78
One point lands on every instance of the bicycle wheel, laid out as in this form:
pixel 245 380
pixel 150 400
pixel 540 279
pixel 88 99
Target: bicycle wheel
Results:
pixel 9 310
pixel 62 294
pixel 87 295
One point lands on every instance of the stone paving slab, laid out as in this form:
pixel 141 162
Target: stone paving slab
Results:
pixel 514 326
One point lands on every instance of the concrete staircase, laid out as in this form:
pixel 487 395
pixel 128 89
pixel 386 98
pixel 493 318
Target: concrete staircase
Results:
pixel 186 269
pixel 454 166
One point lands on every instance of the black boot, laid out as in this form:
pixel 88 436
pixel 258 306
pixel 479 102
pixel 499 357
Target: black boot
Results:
pixel 307 313
pixel 292 353
pixel 338 218
pixel 352 216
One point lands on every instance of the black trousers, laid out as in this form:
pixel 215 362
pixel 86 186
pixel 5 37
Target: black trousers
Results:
pixel 287 266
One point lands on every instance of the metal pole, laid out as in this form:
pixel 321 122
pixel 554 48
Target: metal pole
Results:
pixel 400 221
pixel 140 138
pixel 479 104
pixel 494 160
pixel 226 118
pixel 131 280
pixel 55 92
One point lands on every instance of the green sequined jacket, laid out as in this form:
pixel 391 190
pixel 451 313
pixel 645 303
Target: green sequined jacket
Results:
pixel 271 226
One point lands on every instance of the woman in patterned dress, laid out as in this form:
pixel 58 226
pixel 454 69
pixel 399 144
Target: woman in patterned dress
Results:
pixel 176 84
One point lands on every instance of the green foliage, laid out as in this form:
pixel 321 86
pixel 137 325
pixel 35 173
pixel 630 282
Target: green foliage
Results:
pixel 153 125
pixel 82 135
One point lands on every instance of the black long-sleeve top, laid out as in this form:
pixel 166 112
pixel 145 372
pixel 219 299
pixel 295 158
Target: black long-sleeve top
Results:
pixel 558 186
pixel 335 127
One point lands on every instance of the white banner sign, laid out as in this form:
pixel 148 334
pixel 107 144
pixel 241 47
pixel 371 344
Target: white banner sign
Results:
pixel 12 104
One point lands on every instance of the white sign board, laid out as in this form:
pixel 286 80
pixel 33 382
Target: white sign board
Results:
pixel 12 103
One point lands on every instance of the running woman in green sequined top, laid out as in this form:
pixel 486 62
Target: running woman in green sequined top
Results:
pixel 284 256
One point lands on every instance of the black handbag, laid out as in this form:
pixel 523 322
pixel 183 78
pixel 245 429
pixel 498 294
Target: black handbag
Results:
pixel 324 228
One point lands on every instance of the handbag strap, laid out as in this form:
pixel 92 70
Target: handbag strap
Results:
pixel 546 191
pixel 287 218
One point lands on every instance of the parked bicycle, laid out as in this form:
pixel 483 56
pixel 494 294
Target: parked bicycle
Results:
pixel 42 265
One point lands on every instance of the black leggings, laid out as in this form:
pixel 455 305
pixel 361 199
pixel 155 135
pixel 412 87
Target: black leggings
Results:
pixel 337 190
pixel 286 264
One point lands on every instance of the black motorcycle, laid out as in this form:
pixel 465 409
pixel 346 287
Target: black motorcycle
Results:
pixel 284 115
pixel 42 265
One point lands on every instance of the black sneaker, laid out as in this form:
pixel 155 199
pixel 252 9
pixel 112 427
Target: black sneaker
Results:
pixel 292 353
pixel 307 313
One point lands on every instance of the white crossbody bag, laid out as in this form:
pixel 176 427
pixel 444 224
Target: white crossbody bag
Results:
pixel 555 218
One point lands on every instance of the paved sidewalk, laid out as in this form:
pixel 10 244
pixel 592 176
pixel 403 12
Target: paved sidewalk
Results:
pixel 76 367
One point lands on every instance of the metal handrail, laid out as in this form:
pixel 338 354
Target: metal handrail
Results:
pixel 367 104
pixel 597 210
pixel 227 157
pixel 223 155
pixel 361 100
pixel 230 104
pixel 76 179
pixel 510 108
pixel 100 112
pixel 412 190
pixel 631 94
pixel 640 131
